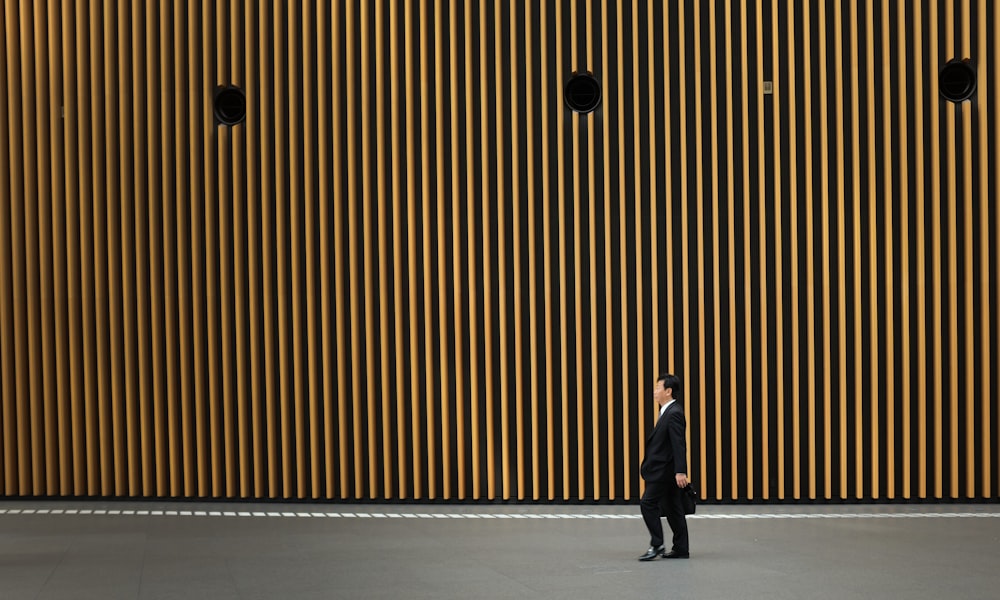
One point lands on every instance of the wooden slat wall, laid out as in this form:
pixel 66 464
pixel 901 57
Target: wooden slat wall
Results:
pixel 413 273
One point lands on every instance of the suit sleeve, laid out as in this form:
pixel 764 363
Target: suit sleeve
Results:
pixel 678 441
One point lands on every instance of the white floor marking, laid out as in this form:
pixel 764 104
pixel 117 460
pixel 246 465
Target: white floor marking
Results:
pixel 860 514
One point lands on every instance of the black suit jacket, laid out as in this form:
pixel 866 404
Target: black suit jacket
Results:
pixel 666 446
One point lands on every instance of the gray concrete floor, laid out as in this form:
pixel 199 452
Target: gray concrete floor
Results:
pixel 299 551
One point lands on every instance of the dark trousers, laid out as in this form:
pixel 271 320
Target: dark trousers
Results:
pixel 663 498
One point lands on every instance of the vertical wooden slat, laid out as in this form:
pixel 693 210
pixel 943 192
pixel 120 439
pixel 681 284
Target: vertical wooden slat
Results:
pixel 577 284
pixel 81 149
pixel 713 60
pixel 226 156
pixel 951 192
pixel 186 298
pixel 763 238
pixel 141 470
pixel 7 339
pixel 626 400
pixel 385 342
pixel 546 257
pixel 442 275
pixel 217 223
pixel 285 331
pixel 685 226
pixel 969 275
pixel 398 215
pixel 37 207
pixel 890 346
pixel 338 252
pixel 310 52
pixel 224 247
pixel 7 373
pixel 986 327
pixel 561 224
pixel 640 374
pixel 268 186
pixel 402 449
pixel 49 154
pixel 573 153
pixel 213 454
pixel 471 155
pixel 824 195
pixel 746 398
pixel 700 254
pixel 254 67
pixel 425 226
pixel 368 193
pixel 996 166
pixel 332 192
pixel 873 322
pixel 62 176
pixel 297 199
pixel 457 231
pixel 731 262
pixel 501 256
pixel 89 455
pixel 935 160
pixel 654 200
pixel 996 169
pixel 169 459
pixel 904 270
pixel 323 473
pixel 14 154
pixel 238 218
pixel 921 272
pixel 810 273
pixel 126 446
pixel 119 180
pixel 856 217
pixel 516 251
pixel 5 150
pixel 426 138
pixel 668 159
pixel 873 167
pixel 780 87
pixel 411 228
pixel 529 94
pixel 626 377
pixel 198 118
pixel 588 63
pixel 33 145
pixel 841 133
pixel 793 237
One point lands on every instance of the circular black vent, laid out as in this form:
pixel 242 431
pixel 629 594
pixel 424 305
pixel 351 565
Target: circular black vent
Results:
pixel 230 105
pixel 958 80
pixel 583 92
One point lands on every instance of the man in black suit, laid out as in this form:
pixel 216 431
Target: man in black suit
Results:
pixel 665 470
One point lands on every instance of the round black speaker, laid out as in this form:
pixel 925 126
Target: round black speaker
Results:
pixel 957 80
pixel 583 92
pixel 230 105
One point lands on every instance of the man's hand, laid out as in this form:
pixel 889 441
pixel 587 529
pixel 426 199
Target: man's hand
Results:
pixel 682 480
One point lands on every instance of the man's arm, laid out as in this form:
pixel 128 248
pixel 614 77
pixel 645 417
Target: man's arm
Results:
pixel 678 443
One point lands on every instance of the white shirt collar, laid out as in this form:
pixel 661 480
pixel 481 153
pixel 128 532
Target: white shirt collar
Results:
pixel 664 409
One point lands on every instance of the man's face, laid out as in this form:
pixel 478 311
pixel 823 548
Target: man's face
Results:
pixel 661 394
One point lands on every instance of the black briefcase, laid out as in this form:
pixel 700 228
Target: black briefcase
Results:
pixel 689 501
pixel 689 498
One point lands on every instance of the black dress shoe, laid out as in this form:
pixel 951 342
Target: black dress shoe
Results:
pixel 652 553
pixel 674 554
